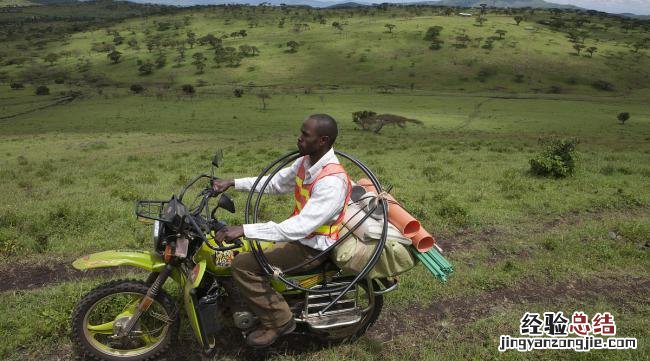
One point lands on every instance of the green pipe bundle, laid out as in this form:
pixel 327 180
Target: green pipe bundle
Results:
pixel 434 262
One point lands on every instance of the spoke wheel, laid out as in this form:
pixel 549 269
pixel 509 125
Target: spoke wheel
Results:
pixel 100 316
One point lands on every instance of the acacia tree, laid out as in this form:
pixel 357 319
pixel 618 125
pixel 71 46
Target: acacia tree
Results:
pixel 293 46
pixel 432 33
pixel 390 28
pixel 623 117
pixel 480 20
pixel 199 62
pixel 263 96
pixel 51 58
pixel 191 39
pixel 578 47
pixel 114 56
pixel 518 19
pixel 591 50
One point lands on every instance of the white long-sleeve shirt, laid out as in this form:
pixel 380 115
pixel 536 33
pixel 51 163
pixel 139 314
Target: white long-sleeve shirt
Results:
pixel 323 207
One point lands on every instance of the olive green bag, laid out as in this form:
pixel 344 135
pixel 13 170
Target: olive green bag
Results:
pixel 353 254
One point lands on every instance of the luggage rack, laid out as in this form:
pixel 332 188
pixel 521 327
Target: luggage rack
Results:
pixel 345 311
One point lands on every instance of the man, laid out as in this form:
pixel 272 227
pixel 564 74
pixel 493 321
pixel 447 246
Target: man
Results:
pixel 321 190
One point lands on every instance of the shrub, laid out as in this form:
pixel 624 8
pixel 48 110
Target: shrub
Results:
pixel 603 85
pixel 15 85
pixel 42 90
pixel 137 88
pixel 623 117
pixel 556 160
pixel 188 89
pixel 238 92
pixel 145 68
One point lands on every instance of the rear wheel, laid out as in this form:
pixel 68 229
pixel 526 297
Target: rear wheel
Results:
pixel 103 312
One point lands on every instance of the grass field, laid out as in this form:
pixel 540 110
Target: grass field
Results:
pixel 71 172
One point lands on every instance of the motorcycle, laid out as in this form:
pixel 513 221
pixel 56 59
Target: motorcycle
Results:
pixel 138 319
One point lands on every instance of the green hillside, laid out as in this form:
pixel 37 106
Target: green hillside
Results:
pixel 540 55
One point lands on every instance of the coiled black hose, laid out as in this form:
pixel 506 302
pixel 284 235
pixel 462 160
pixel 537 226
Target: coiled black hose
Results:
pixel 279 164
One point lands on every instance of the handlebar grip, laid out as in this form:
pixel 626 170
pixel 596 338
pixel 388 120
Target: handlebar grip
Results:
pixel 237 241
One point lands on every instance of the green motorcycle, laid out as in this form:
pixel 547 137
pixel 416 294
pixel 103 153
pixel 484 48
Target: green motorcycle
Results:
pixel 138 319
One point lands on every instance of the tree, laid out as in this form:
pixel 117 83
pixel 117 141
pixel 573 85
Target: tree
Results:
pixel 191 39
pixel 389 27
pixel 161 61
pixel 578 47
pixel 137 88
pixel 591 50
pixel 293 46
pixel 238 92
pixel 51 58
pixel 480 20
pixel 132 43
pixel 519 19
pixel 483 8
pixel 220 55
pixel 199 62
pixel 501 33
pixel 42 90
pixel 210 39
pixel 436 44
pixel 188 89
pixel 263 96
pixel 145 68
pixel 432 33
pixel 623 117
pixel 118 40
pixel 114 56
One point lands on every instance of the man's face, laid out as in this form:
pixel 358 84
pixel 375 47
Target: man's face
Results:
pixel 309 142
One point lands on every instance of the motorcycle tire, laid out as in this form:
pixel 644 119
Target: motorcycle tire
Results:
pixel 97 314
pixel 353 332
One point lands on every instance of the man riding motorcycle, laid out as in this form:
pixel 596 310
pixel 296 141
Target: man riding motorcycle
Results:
pixel 321 189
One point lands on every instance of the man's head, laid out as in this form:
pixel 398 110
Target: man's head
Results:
pixel 317 135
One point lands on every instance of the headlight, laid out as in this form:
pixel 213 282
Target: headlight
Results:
pixel 156 231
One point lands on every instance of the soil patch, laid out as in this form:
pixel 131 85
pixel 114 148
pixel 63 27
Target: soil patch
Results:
pixel 461 311
pixel 21 277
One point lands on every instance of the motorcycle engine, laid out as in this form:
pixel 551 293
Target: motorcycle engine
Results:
pixel 244 319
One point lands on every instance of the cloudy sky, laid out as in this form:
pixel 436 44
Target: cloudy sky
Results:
pixel 641 7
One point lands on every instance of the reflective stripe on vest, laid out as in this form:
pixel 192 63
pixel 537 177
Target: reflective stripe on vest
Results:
pixel 302 193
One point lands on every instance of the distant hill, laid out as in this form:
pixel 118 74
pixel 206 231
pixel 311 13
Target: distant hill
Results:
pixel 541 4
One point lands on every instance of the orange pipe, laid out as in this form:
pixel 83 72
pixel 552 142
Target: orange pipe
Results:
pixel 397 215
pixel 423 240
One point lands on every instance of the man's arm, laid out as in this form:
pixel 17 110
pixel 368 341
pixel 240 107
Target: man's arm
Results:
pixel 282 182
pixel 326 201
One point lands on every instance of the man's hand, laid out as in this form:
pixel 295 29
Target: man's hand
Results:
pixel 220 185
pixel 229 233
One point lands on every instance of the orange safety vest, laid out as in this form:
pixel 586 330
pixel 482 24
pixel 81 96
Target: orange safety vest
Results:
pixel 303 192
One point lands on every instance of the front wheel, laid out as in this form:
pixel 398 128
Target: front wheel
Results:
pixel 103 312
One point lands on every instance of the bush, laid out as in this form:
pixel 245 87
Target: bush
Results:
pixel 238 92
pixel 15 85
pixel 146 68
pixel 556 160
pixel 137 88
pixel 603 85
pixel 42 90
pixel 188 89
pixel 623 117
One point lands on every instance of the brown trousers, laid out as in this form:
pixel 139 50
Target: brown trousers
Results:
pixel 269 306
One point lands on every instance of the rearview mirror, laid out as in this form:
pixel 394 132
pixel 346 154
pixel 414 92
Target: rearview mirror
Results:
pixel 217 160
pixel 226 203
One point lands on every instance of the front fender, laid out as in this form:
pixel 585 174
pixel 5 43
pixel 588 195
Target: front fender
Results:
pixel 141 259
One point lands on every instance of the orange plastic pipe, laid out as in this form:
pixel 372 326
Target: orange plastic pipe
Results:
pixel 397 215
pixel 423 240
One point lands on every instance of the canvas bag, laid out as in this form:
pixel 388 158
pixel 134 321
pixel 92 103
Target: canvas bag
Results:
pixel 352 254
